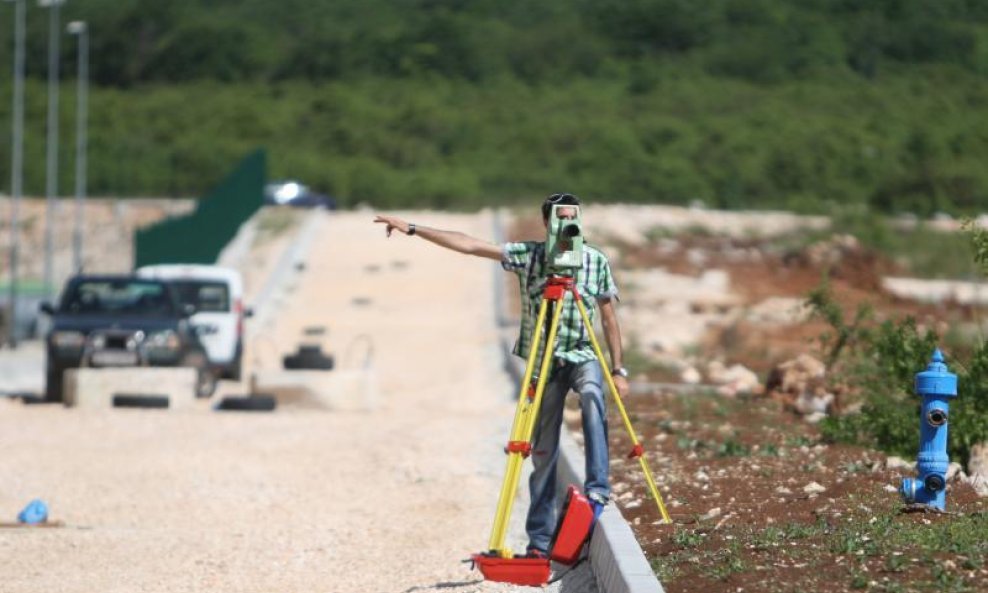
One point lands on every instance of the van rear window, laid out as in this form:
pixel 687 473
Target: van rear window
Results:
pixel 206 296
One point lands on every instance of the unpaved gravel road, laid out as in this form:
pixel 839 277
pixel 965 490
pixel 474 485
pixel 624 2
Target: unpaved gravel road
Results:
pixel 299 500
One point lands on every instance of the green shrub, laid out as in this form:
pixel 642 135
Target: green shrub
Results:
pixel 879 363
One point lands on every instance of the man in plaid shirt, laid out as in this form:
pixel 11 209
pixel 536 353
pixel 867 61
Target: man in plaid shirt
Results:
pixel 574 365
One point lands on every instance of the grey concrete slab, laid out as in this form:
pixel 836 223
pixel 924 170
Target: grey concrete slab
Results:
pixel 22 370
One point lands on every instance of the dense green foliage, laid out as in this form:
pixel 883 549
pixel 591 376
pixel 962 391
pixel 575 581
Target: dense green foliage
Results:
pixel 738 103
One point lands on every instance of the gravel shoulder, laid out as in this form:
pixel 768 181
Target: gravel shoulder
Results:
pixel 389 500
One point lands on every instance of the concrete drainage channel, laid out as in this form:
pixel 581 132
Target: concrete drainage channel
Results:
pixel 617 563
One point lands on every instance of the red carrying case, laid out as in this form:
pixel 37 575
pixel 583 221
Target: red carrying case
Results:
pixel 575 522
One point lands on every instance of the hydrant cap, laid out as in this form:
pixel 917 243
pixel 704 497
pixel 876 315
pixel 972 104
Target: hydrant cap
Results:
pixel 936 379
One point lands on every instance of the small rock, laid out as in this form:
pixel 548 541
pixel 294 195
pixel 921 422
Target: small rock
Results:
pixel 898 463
pixel 690 376
pixel 813 488
pixel 953 470
pixel 716 372
pixel 783 490
pixel 701 476
pixel 711 514
pixel 890 488
pixel 977 468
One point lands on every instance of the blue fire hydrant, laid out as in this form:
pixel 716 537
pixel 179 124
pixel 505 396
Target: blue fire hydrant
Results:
pixel 936 385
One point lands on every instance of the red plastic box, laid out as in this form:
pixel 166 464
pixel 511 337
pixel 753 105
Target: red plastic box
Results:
pixel 574 527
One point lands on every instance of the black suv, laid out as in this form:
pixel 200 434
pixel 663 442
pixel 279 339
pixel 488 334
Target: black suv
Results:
pixel 105 321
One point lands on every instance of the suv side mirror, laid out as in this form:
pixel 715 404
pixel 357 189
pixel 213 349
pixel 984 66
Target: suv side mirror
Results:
pixel 188 310
pixel 249 312
pixel 46 308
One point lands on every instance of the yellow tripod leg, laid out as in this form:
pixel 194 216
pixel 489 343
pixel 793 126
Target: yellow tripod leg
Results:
pixel 624 414
pixel 522 429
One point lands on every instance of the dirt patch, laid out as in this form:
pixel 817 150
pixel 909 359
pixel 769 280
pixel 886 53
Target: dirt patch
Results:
pixel 759 503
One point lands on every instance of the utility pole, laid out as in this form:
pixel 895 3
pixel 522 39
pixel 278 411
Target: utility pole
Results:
pixel 51 169
pixel 16 162
pixel 80 29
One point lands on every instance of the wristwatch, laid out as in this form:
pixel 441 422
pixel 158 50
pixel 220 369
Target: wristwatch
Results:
pixel 620 372
pixel 411 230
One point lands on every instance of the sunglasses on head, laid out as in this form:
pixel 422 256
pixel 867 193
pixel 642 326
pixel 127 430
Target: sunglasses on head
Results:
pixel 556 198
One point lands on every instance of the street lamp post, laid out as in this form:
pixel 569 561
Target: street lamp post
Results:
pixel 16 162
pixel 51 169
pixel 80 29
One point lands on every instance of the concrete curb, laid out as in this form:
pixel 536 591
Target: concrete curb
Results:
pixel 618 561
pixel 284 271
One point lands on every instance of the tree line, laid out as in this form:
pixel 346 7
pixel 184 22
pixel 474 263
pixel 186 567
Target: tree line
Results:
pixel 735 103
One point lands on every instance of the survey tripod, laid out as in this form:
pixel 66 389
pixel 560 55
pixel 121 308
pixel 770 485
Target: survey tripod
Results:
pixel 499 560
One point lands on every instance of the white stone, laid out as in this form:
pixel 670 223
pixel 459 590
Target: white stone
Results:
pixel 95 388
pixel 342 389
pixel 690 376
pixel 813 488
pixel 977 468
pixel 894 462
pixel 711 514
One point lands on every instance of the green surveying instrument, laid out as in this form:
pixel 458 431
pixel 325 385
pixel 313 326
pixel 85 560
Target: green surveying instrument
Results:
pixel 564 243
pixel 564 259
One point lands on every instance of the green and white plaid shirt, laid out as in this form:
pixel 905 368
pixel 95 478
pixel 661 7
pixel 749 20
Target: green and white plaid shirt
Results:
pixel 593 281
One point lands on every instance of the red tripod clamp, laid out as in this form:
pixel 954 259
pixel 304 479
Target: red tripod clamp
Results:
pixel 523 447
pixel 556 287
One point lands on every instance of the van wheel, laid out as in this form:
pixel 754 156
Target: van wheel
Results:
pixel 205 377
pixel 235 370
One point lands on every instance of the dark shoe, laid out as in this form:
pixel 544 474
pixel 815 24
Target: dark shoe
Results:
pixel 536 554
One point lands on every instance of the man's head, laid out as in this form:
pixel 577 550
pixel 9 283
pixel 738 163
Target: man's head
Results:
pixel 559 200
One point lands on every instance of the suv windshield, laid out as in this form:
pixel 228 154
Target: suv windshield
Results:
pixel 124 296
pixel 205 295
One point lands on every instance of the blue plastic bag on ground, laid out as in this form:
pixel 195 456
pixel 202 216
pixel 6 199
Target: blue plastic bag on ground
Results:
pixel 35 512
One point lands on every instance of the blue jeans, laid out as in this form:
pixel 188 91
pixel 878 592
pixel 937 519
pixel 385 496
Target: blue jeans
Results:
pixel 586 379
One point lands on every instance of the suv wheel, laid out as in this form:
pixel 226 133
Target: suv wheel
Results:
pixel 53 385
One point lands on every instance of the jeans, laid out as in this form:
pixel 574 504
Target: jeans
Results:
pixel 586 379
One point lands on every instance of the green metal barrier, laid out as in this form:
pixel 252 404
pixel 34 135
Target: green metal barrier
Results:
pixel 198 238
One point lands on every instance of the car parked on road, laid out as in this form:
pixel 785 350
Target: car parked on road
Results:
pixel 292 193
pixel 121 321
pixel 216 293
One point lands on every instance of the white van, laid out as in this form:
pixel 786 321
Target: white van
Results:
pixel 217 295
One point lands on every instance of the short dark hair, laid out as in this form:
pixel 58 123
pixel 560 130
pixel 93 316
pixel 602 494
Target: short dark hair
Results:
pixel 558 200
